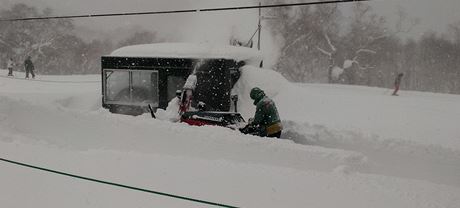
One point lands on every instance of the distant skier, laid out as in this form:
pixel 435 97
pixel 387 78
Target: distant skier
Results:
pixel 397 83
pixel 266 121
pixel 29 66
pixel 10 64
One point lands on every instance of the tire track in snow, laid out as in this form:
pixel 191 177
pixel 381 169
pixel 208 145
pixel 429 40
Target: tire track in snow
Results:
pixel 390 157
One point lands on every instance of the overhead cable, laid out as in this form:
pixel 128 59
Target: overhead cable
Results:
pixel 181 11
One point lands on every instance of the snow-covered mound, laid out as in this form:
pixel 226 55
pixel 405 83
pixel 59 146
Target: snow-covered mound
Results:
pixel 391 131
pixel 270 81
pixel 427 118
pixel 322 162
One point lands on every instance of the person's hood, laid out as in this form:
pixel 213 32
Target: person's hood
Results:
pixel 257 94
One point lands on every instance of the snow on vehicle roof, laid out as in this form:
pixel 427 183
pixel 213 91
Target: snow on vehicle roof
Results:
pixel 189 50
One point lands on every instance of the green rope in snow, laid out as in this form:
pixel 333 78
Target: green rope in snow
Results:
pixel 117 184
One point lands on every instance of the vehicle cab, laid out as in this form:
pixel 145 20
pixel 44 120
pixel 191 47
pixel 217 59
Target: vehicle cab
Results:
pixel 134 77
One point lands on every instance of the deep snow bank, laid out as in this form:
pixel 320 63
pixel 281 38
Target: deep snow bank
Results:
pixel 389 157
pixel 76 130
pixel 239 184
pixel 425 118
pixel 62 126
pixel 416 128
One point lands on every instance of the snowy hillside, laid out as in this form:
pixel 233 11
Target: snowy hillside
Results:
pixel 343 146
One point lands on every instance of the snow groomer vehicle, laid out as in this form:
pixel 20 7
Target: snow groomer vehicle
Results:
pixel 197 77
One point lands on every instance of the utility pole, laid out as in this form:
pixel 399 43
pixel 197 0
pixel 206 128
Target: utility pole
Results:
pixel 259 27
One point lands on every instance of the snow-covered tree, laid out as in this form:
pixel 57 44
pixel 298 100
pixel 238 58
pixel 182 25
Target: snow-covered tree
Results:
pixel 302 29
pixel 52 44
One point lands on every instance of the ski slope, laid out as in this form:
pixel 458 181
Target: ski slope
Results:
pixel 343 146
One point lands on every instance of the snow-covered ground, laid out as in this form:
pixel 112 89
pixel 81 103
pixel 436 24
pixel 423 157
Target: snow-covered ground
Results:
pixel 343 146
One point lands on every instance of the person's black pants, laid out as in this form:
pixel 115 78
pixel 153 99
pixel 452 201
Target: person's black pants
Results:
pixel 277 135
pixel 31 72
pixel 10 71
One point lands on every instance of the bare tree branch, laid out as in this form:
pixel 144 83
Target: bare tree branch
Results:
pixel 374 39
pixel 295 42
pixel 333 48
pixel 324 51
pixel 363 50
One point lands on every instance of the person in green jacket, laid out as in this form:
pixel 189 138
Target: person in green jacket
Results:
pixel 266 121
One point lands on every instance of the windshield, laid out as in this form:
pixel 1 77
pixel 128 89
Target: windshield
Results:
pixel 133 87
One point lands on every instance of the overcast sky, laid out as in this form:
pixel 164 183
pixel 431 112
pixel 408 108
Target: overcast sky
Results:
pixel 434 15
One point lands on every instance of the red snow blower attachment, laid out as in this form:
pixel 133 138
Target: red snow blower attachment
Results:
pixel 198 114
